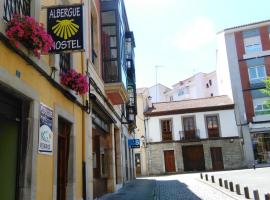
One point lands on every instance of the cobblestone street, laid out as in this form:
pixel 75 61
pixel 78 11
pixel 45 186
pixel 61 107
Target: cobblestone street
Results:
pixel 191 187
pixel 173 187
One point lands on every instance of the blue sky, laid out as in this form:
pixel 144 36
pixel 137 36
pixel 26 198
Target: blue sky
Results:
pixel 180 35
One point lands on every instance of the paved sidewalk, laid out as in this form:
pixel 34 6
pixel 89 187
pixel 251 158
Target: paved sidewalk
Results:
pixel 140 189
pixel 257 179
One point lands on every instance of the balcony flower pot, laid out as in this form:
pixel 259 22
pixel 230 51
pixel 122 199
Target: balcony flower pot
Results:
pixel 30 33
pixel 75 81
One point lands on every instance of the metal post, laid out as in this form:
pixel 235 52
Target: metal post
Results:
pixel 206 177
pixel 220 182
pixel 201 175
pixel 256 195
pixel 246 192
pixel 267 196
pixel 237 186
pixel 213 179
pixel 231 186
pixel 226 184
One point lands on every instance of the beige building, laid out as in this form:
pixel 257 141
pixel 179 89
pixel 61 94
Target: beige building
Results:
pixel 140 153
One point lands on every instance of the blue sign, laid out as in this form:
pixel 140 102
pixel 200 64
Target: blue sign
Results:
pixel 134 143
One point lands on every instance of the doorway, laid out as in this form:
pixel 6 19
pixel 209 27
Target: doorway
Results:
pixel 138 164
pixel 64 128
pixel 217 159
pixel 169 161
pixel 193 157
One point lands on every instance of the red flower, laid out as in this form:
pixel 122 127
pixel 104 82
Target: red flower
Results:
pixel 32 34
pixel 75 81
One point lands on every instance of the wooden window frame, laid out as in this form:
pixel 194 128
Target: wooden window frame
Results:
pixel 166 135
pixel 209 134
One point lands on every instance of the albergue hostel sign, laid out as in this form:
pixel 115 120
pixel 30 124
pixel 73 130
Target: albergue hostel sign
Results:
pixel 65 25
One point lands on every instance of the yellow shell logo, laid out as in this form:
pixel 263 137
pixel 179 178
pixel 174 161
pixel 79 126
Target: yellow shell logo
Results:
pixel 65 28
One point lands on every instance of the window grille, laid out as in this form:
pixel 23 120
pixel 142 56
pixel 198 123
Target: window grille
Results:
pixel 12 7
pixel 64 62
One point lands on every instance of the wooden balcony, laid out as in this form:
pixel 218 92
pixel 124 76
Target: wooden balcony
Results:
pixel 116 92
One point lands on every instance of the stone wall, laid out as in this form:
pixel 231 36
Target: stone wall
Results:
pixel 231 151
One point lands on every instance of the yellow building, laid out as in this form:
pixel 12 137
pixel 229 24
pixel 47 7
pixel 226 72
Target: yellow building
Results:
pixel 56 143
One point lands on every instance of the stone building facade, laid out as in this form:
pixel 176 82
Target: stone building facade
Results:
pixel 193 135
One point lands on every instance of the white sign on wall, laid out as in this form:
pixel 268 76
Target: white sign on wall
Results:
pixel 45 144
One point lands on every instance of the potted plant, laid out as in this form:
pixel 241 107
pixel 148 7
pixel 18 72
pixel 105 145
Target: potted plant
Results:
pixel 30 33
pixel 75 81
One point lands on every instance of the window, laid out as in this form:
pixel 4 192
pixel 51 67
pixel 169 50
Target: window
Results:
pixel 183 91
pixel 189 128
pixel 212 126
pixel 210 82
pixel 256 74
pixel 189 123
pixel 166 129
pixel 207 86
pixel 171 98
pixel 65 62
pixel 252 41
pixel 261 106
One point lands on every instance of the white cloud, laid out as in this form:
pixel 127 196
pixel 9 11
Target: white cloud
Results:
pixel 196 35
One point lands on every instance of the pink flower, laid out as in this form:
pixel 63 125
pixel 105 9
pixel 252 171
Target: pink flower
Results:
pixel 75 81
pixel 27 30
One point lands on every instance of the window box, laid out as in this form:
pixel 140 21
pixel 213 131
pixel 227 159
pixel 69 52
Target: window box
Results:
pixel 30 33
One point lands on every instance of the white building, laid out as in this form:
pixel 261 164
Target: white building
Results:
pixel 200 85
pixel 192 135
pixel 157 92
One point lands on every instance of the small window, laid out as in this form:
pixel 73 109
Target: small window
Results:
pixel 65 62
pixel 212 94
pixel 210 82
pixel 207 86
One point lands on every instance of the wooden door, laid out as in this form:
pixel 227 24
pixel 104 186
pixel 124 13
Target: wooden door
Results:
pixel 62 161
pixel 193 157
pixel 8 158
pixel 169 161
pixel 217 158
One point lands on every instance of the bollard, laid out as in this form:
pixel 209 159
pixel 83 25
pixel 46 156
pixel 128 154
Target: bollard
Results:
pixel 256 195
pixel 267 196
pixel 220 182
pixel 237 187
pixel 201 176
pixel 226 184
pixel 246 192
pixel 231 186
pixel 206 177
pixel 213 179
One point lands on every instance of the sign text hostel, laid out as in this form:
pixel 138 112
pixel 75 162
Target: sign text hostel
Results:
pixel 65 25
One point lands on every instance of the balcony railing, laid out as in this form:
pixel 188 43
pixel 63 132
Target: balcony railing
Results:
pixel 190 135
pixel 166 136
pixel 12 7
